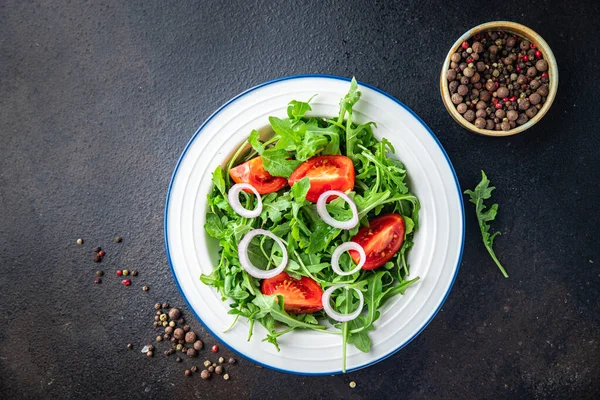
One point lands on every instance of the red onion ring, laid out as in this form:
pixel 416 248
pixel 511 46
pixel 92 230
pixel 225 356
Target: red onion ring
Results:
pixel 324 214
pixel 336 315
pixel 234 200
pixel 335 258
pixel 245 260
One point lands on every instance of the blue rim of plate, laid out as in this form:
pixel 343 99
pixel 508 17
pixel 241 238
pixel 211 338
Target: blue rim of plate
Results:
pixel 324 76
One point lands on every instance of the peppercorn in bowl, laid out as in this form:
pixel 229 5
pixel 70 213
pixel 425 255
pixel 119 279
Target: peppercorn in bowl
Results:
pixel 499 78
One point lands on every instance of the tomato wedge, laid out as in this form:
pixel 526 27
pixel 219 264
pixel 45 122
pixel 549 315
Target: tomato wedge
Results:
pixel 329 172
pixel 300 296
pixel 253 172
pixel 381 240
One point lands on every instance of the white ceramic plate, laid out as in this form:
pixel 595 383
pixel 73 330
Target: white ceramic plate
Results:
pixel 438 242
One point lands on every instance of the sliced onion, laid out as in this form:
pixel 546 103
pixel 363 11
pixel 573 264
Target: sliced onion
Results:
pixel 336 315
pixel 245 260
pixel 234 200
pixel 335 258
pixel 324 214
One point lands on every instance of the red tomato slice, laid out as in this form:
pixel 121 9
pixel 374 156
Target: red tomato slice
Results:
pixel 381 240
pixel 300 296
pixel 329 172
pixel 253 172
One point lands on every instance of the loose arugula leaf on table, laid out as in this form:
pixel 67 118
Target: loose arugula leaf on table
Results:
pixel 483 191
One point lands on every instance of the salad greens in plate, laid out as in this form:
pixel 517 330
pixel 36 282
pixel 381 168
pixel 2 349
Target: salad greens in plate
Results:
pixel 305 157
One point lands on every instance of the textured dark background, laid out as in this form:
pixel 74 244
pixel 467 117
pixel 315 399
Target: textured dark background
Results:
pixel 98 99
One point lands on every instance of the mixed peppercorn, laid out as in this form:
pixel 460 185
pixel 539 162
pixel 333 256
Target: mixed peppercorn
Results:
pixel 183 340
pixel 170 320
pixel 498 80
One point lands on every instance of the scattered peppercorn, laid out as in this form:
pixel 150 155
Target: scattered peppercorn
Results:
pixel 186 328
pixel 174 314
pixel 165 305
pixel 226 377
pixel 134 272
pixel 149 354
pixel 79 241
pixel 125 272
pixel 145 288
pixel 118 239
pixel 178 359
pixel 163 317
pixel 157 306
pixel 159 338
pixel 221 360
pixel 188 372
pixel 97 258
pixel 119 272
pixel 129 346
pixel 191 352
pixel 352 384
pixel 190 337
pixel 99 273
pixel 178 333
pixel 101 253
pixel 219 369
pixel 198 345
pixel 126 282
pixel 97 281
pixel 172 324
pixel 231 361
pixel 207 363
pixel 211 369
pixel 215 348
pixel 204 374
pixel 165 324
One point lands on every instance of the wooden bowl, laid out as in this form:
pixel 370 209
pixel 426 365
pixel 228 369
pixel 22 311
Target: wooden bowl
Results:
pixel 519 30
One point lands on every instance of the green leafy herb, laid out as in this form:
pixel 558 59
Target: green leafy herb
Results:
pixel 482 192
pixel 279 163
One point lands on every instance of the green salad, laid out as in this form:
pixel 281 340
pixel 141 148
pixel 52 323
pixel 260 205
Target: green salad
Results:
pixel 286 180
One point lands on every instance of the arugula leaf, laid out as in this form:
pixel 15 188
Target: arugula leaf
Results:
pixel 254 141
pixel 300 189
pixel 483 192
pixel 214 227
pixel 288 132
pixel 321 236
pixel 297 109
pixel 311 144
pixel 218 181
pixel 361 338
pixel 278 162
pixel 274 206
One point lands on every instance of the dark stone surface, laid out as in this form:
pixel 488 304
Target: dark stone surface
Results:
pixel 98 99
